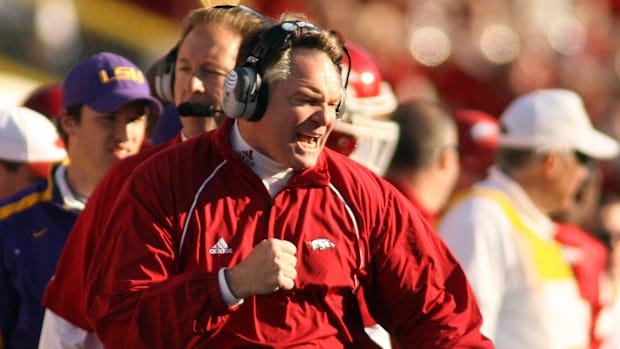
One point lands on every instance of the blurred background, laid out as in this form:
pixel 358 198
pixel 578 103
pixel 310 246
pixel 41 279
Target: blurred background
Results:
pixel 469 53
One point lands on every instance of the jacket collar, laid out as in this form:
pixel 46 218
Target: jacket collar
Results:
pixel 315 176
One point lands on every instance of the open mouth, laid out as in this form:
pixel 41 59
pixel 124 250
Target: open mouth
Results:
pixel 308 142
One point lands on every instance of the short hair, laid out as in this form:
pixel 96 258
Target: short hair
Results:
pixel 238 18
pixel 278 66
pixel 425 128
pixel 74 112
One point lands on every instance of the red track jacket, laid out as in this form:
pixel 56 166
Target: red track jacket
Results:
pixel 195 208
pixel 65 294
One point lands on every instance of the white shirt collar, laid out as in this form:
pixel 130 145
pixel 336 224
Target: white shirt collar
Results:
pixel 69 198
pixel 274 175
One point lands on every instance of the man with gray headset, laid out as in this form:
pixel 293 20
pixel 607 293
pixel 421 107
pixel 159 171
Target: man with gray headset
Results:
pixel 257 235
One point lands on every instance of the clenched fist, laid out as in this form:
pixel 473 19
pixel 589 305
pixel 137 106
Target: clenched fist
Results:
pixel 269 268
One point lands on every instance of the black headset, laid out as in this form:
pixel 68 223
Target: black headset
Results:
pixel 164 75
pixel 245 95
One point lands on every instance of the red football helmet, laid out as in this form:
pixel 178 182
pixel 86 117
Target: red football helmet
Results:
pixel 365 132
pixel 478 134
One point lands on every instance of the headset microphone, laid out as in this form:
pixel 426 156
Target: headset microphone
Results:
pixel 197 109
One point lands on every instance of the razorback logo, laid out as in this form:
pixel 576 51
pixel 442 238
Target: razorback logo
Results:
pixel 122 73
pixel 321 244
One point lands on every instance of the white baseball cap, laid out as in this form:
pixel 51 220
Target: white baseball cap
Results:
pixel 553 117
pixel 30 137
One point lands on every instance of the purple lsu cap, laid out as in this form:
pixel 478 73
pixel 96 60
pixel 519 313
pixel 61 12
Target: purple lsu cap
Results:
pixel 105 82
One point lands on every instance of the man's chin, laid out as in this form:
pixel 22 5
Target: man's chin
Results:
pixel 304 162
pixel 563 212
pixel 120 155
pixel 199 125
pixel 216 121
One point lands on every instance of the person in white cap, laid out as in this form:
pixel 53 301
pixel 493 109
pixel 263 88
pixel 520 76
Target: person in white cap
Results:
pixel 29 146
pixel 501 233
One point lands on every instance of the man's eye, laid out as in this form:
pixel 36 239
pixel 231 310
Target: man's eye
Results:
pixel 306 101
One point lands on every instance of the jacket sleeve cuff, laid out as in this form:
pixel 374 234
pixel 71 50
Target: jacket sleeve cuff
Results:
pixel 227 295
pixel 215 295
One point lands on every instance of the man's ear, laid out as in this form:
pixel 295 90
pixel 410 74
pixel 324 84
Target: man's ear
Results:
pixel 551 163
pixel 66 122
pixel 444 159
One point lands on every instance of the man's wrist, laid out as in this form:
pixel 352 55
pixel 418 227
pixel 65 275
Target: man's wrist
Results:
pixel 227 294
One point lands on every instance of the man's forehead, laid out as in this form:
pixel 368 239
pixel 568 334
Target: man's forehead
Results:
pixel 211 34
pixel 311 62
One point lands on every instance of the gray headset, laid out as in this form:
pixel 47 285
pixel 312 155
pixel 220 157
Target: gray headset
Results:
pixel 245 95
pixel 164 76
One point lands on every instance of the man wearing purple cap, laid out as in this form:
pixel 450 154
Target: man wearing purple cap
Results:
pixel 115 96
pixel 103 120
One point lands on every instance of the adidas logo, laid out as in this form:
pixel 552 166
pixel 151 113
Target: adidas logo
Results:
pixel 321 244
pixel 220 247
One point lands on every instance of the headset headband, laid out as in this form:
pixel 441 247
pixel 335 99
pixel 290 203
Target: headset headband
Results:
pixel 245 92
pixel 274 40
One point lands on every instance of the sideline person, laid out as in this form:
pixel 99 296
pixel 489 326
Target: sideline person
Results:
pixel 105 103
pixel 425 166
pixel 29 147
pixel 502 232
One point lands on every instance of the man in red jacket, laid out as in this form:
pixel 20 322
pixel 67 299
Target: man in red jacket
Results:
pixel 207 50
pixel 256 235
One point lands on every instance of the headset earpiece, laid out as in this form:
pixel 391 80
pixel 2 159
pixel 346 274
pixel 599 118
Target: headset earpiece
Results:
pixel 164 76
pixel 245 95
pixel 342 105
pixel 241 89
